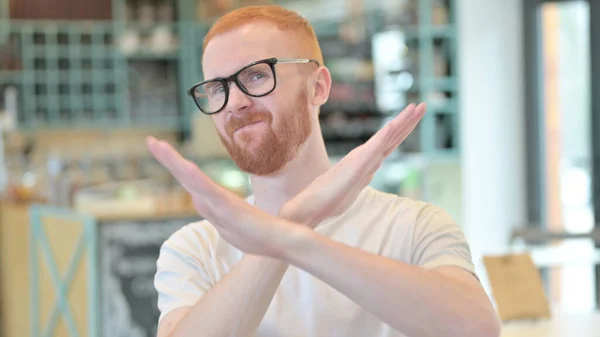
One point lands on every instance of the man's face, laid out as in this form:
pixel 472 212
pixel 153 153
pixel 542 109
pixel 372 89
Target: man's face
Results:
pixel 261 133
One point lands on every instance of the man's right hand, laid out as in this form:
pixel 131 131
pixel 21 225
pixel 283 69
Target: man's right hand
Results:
pixel 335 190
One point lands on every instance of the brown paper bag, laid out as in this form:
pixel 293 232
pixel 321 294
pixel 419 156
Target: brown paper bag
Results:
pixel 517 287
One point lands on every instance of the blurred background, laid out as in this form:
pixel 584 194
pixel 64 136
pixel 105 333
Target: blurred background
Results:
pixel 510 145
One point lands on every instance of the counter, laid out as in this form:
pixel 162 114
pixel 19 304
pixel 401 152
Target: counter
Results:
pixel 66 272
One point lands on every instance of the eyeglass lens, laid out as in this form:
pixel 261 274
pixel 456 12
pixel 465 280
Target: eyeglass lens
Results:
pixel 255 81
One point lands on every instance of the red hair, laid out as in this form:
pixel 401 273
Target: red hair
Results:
pixel 282 18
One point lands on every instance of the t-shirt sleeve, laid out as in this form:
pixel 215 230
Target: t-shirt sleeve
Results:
pixel 181 278
pixel 439 241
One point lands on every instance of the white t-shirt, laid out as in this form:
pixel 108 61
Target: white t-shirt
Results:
pixel 195 258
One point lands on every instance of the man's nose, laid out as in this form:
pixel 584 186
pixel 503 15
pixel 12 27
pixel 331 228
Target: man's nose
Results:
pixel 238 101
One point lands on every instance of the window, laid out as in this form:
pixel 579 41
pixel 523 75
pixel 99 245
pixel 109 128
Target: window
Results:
pixel 563 135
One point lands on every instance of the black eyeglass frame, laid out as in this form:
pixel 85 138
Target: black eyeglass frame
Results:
pixel 234 78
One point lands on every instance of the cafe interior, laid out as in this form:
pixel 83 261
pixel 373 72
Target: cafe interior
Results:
pixel 509 146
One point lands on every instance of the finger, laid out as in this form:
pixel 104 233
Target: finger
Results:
pixel 390 129
pixel 416 118
pixel 184 171
pixel 401 120
pixel 403 127
pixel 407 128
pixel 167 156
pixel 401 124
pixel 381 143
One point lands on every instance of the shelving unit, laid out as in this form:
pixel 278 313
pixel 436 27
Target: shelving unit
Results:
pixel 437 80
pixel 119 74
pixel 69 75
pixel 99 74
pixel 429 34
pixel 3 21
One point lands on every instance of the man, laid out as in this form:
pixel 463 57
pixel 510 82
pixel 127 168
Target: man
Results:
pixel 314 251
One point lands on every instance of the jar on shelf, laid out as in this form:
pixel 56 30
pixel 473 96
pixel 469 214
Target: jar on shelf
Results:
pixel 440 15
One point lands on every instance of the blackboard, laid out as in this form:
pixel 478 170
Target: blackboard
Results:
pixel 128 254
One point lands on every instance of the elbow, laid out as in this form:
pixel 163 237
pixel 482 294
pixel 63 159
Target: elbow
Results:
pixel 492 329
pixel 486 326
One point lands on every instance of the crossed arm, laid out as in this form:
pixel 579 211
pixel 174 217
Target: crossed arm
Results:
pixel 447 301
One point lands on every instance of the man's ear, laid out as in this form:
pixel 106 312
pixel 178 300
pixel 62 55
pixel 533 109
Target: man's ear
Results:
pixel 322 86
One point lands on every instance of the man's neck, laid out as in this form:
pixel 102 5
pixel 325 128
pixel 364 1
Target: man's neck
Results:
pixel 271 192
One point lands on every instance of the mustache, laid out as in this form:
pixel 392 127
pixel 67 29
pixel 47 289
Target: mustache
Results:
pixel 235 123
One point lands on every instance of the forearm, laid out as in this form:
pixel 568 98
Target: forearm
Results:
pixel 412 300
pixel 236 305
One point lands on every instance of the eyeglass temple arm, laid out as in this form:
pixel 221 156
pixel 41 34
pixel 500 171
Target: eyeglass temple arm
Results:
pixel 287 60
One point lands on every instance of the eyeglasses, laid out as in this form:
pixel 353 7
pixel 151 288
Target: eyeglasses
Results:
pixel 257 79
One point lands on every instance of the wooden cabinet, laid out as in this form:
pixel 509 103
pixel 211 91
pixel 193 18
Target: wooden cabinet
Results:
pixel 58 260
pixel 14 270
pixel 67 274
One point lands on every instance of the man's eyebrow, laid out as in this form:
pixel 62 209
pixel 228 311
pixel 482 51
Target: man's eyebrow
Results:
pixel 231 73
pixel 214 78
pixel 213 83
pixel 218 77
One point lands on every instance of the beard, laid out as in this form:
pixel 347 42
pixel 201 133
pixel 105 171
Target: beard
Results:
pixel 267 151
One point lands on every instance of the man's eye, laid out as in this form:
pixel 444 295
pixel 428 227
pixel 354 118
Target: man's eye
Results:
pixel 257 76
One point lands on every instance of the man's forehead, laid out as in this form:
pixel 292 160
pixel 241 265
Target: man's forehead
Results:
pixel 228 52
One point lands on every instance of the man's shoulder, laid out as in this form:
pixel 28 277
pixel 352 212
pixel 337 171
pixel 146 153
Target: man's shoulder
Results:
pixel 192 236
pixel 393 204
pixel 395 210
pixel 200 240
